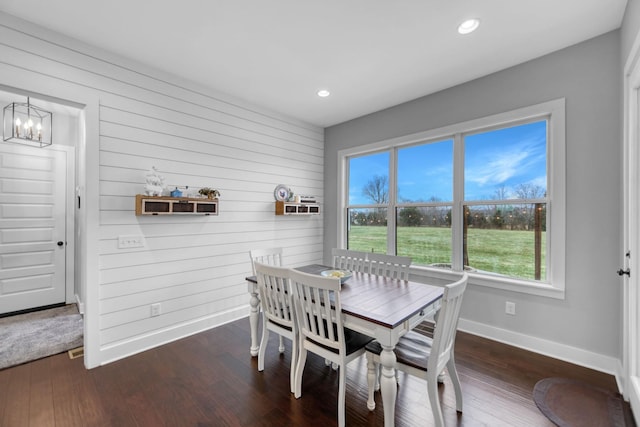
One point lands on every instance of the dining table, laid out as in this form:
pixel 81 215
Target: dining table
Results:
pixel 380 307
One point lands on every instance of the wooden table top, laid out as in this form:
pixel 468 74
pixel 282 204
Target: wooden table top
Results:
pixel 381 300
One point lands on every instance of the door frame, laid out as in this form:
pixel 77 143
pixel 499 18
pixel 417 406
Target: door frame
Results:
pixel 631 232
pixel 70 232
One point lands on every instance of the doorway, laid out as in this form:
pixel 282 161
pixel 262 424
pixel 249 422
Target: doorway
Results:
pixel 37 227
pixel 33 234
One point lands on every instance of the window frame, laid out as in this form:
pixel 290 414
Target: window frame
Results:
pixel 554 112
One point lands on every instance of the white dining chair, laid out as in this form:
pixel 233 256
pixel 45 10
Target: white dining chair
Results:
pixel 269 256
pixel 393 266
pixel 277 312
pixel 426 358
pixel 319 313
pixel 345 259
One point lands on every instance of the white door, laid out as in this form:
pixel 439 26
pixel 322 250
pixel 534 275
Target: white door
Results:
pixel 32 227
pixel 630 270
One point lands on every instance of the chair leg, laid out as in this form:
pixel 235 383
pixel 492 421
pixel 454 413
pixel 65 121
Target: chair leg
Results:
pixel 263 345
pixel 453 373
pixel 432 389
pixel 294 363
pixel 372 380
pixel 302 359
pixel 341 396
pixel 281 345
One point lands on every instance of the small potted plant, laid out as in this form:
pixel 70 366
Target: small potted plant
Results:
pixel 210 193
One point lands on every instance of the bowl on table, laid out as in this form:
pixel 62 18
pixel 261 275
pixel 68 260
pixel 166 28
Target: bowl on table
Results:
pixel 343 275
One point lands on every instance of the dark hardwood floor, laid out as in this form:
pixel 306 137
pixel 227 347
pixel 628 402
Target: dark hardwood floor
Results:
pixel 210 379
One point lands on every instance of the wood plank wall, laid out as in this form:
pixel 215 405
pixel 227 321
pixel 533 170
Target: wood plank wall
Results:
pixel 193 266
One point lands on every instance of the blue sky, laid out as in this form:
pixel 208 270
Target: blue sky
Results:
pixel 495 159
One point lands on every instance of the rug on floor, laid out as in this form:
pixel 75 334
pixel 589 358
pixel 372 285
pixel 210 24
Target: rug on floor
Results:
pixel 31 336
pixel 571 403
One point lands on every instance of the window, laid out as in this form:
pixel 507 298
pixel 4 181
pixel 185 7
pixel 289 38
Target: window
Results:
pixel 424 202
pixel 368 202
pixel 505 199
pixel 485 195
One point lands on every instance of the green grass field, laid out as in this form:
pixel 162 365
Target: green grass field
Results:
pixel 506 252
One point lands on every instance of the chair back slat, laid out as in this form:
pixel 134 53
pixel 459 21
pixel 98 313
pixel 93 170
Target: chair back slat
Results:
pixel 275 293
pixel 393 266
pixel 317 303
pixel 345 259
pixel 447 324
pixel 269 256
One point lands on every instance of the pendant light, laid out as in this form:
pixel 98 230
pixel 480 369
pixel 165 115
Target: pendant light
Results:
pixel 27 124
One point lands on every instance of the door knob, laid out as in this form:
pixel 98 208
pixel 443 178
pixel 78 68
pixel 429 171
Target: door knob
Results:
pixel 622 272
pixel 60 243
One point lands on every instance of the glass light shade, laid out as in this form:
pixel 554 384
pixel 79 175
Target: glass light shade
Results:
pixel 469 26
pixel 27 124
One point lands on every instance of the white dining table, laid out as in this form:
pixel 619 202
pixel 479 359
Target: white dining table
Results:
pixel 377 306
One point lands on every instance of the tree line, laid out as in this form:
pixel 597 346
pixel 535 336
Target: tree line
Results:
pixel 503 215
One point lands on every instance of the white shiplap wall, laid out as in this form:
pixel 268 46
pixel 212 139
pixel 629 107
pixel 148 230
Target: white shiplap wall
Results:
pixel 193 266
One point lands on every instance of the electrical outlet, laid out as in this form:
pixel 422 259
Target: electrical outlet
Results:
pixel 155 309
pixel 510 308
pixel 125 242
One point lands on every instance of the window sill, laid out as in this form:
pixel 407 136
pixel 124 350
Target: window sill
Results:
pixel 439 276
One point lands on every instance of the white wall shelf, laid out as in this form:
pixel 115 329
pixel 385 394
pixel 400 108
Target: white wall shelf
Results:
pixel 291 208
pixel 161 205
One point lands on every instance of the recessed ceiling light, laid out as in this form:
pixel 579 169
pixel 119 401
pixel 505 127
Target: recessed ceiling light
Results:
pixel 468 26
pixel 323 93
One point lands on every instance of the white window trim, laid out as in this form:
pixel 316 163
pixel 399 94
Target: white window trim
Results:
pixel 556 210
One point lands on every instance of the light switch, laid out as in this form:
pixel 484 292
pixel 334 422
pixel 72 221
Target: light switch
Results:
pixel 131 241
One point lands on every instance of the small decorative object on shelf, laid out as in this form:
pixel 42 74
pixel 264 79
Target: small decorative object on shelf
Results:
pixel 155 183
pixel 282 193
pixel 211 193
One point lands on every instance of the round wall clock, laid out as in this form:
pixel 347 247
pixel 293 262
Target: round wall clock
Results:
pixel 282 193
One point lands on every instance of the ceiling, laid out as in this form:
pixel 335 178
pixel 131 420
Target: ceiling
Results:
pixel 371 54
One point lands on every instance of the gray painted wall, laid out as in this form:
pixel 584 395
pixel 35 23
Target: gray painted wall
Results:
pixel 588 76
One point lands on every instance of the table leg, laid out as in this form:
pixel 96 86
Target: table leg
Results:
pixel 254 302
pixel 388 386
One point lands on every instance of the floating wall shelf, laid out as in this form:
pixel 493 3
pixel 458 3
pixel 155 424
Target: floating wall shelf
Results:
pixel 291 208
pixel 161 205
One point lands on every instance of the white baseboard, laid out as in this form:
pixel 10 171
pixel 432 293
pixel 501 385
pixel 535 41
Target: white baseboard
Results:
pixel 80 304
pixel 634 398
pixel 121 350
pixel 577 356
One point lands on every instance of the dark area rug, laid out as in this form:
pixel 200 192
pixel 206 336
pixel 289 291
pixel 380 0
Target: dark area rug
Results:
pixel 31 336
pixel 571 403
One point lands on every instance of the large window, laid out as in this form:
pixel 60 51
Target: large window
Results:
pixel 368 202
pixel 480 195
pixel 424 202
